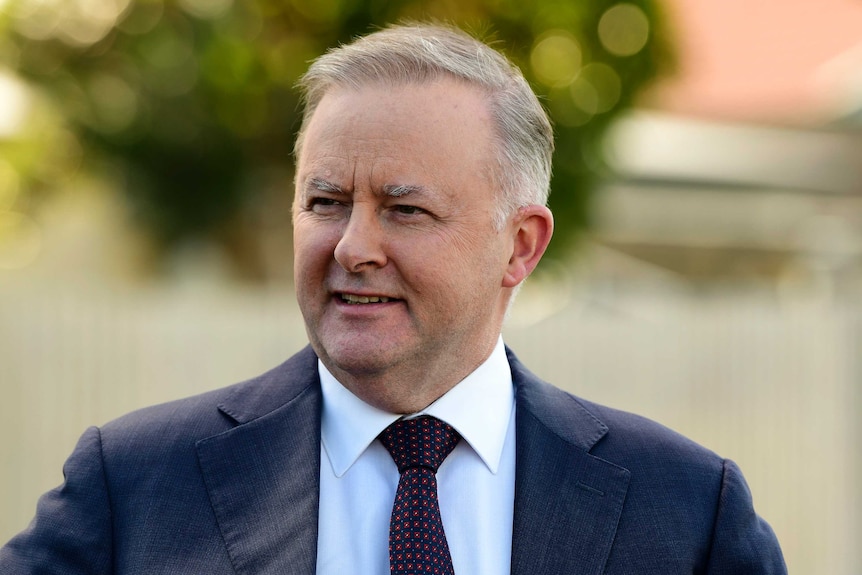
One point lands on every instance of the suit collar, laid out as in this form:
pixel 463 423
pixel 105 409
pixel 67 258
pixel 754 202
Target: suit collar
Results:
pixel 273 389
pixel 263 476
pixel 558 412
pixel 567 501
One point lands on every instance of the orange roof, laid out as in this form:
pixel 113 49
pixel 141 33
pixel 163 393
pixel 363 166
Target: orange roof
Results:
pixel 772 60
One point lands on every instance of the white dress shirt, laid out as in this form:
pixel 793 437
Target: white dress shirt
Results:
pixel 476 482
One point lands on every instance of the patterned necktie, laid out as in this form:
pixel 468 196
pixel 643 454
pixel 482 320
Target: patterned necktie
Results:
pixel 417 543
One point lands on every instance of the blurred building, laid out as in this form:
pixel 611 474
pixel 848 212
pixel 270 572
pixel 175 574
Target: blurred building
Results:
pixel 745 168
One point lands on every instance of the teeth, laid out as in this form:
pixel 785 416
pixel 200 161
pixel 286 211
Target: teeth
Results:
pixel 353 299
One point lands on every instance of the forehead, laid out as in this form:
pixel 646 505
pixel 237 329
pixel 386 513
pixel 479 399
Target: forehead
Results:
pixel 443 125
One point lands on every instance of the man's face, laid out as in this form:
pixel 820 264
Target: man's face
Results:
pixel 398 266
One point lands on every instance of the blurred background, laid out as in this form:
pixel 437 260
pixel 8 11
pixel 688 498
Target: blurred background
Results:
pixel 706 269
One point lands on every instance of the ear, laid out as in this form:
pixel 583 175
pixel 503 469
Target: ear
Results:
pixel 532 228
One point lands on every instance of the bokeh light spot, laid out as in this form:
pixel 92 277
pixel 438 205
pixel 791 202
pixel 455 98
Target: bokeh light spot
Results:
pixel 597 88
pixel 624 29
pixel 115 103
pixel 37 19
pixel 556 58
pixel 85 22
pixel 167 49
pixel 174 69
pixel 585 96
pixel 142 18
pixel 14 105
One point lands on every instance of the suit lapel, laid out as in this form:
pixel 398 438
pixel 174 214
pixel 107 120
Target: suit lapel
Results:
pixel 567 502
pixel 263 475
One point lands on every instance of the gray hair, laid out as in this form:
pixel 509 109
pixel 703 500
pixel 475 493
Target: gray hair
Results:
pixel 423 53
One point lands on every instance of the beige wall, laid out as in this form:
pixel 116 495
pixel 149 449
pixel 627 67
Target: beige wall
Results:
pixel 774 387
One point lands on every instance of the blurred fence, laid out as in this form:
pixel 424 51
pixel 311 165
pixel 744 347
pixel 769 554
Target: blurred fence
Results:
pixel 774 387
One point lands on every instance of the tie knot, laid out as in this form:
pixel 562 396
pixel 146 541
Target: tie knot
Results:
pixel 419 442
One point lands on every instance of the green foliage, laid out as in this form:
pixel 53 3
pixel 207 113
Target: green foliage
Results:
pixel 193 99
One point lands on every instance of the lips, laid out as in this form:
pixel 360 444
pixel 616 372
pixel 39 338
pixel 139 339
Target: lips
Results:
pixel 363 299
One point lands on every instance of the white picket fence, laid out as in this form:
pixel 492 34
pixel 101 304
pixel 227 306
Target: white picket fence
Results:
pixel 774 387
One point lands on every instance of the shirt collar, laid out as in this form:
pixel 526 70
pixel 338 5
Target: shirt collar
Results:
pixel 479 408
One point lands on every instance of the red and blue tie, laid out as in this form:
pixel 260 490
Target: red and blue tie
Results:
pixel 417 543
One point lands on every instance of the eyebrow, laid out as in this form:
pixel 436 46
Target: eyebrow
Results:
pixel 392 190
pixel 397 191
pixel 324 186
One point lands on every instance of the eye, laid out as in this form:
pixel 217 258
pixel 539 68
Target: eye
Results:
pixel 408 210
pixel 322 204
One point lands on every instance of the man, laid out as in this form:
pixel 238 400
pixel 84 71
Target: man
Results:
pixel 423 165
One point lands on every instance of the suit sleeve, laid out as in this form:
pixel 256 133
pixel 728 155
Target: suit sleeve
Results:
pixel 71 533
pixel 742 543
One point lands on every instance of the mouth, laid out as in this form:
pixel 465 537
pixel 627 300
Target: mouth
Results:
pixel 353 299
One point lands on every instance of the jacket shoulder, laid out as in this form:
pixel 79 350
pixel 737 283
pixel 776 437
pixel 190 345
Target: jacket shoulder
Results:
pixel 686 508
pixel 636 439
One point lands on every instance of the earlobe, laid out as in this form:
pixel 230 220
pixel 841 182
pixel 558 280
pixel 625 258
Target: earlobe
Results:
pixel 533 227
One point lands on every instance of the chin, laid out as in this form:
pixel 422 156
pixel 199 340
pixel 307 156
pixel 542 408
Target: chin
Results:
pixel 356 361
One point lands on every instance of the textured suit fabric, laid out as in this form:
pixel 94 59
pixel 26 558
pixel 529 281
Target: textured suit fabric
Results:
pixel 227 483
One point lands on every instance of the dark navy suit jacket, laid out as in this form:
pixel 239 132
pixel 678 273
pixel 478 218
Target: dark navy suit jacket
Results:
pixel 227 483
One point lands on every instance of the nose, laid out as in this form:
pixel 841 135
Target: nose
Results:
pixel 362 243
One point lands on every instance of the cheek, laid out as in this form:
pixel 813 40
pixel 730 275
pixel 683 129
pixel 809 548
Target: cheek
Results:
pixel 458 260
pixel 312 243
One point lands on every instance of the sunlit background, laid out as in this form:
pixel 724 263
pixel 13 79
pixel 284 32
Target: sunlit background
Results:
pixel 706 272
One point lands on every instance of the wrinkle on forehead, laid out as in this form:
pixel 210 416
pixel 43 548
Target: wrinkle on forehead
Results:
pixel 396 144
